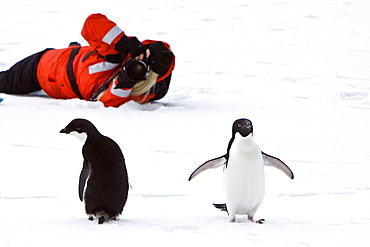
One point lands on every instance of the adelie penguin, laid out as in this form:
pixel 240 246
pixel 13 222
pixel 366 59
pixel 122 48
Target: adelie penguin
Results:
pixel 104 167
pixel 244 177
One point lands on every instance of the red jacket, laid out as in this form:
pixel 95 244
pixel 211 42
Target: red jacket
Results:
pixel 85 65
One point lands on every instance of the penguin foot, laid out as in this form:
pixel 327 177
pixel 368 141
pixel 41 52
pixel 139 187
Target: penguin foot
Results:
pixel 260 221
pixel 91 218
pixel 257 221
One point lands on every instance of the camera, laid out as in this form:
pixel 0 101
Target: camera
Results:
pixel 135 70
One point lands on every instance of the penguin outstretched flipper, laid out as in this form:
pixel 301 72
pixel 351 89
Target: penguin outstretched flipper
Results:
pixel 269 160
pixel 213 163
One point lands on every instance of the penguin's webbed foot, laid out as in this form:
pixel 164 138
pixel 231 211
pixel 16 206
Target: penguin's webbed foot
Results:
pixel 257 221
pixel 91 218
pixel 260 221
pixel 232 220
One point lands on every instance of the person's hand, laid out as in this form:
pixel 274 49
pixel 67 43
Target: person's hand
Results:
pixel 136 48
pixel 132 46
pixel 141 56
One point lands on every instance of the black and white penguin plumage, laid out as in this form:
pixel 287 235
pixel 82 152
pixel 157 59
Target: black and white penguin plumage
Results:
pixel 244 177
pixel 104 167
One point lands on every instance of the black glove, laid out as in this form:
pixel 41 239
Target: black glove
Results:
pixel 130 45
pixel 160 58
pixel 136 48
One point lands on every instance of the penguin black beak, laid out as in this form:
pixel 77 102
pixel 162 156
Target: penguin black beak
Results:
pixel 65 131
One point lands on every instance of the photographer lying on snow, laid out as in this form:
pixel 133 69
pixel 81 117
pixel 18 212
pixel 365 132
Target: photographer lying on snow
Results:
pixel 114 69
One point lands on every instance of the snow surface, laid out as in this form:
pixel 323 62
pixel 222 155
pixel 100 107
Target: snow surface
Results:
pixel 298 69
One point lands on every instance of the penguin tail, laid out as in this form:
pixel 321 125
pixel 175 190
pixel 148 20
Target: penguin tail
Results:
pixel 102 216
pixel 102 219
pixel 222 207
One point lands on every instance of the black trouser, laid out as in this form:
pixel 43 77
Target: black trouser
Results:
pixel 21 78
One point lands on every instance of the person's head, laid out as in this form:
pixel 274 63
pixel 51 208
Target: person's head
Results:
pixel 144 86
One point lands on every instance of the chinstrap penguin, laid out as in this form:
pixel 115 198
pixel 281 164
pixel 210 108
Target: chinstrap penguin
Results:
pixel 244 177
pixel 104 167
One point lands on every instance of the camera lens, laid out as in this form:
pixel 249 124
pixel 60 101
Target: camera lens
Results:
pixel 136 70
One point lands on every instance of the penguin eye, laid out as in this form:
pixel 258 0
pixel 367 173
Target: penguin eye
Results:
pixel 239 125
pixel 78 128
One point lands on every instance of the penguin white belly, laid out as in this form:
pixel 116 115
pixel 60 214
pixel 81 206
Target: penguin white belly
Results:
pixel 244 178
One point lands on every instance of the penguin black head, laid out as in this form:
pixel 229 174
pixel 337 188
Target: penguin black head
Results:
pixel 79 125
pixel 243 126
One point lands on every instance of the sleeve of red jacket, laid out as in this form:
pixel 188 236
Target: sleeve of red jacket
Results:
pixel 102 34
pixel 118 96
pixel 115 96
